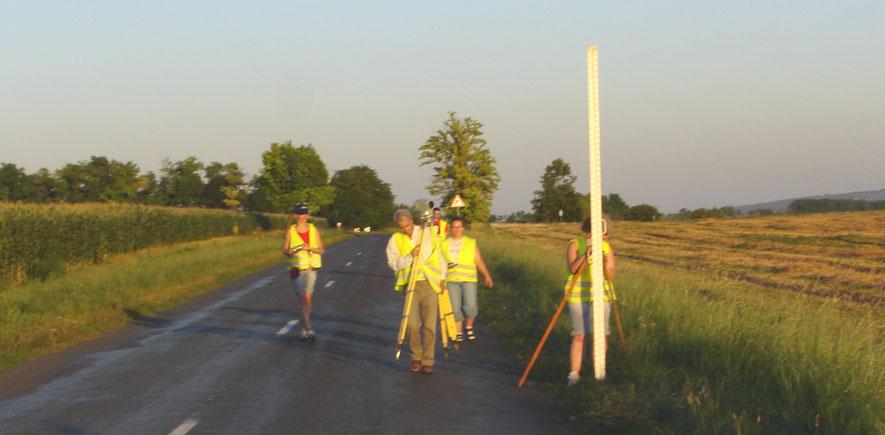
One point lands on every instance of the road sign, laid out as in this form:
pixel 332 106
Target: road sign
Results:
pixel 457 202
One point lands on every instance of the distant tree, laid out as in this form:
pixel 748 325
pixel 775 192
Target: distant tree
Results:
pixel 148 189
pixel 557 192
pixel 761 212
pixel 98 179
pixel 224 185
pixel 290 175
pixel 461 165
pixel 612 205
pixel 642 212
pixel 520 217
pixel 361 198
pixel 181 182
pixel 45 186
pixel 826 205
pixel 15 185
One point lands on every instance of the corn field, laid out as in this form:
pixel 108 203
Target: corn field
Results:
pixel 39 241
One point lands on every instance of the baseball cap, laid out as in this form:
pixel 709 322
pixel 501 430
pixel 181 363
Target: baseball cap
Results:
pixel 300 208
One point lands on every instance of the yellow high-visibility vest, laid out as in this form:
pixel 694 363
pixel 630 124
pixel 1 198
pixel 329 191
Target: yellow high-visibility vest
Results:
pixel 465 265
pixel 302 259
pixel 430 267
pixel 582 291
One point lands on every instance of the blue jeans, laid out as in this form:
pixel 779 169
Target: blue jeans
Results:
pixel 463 299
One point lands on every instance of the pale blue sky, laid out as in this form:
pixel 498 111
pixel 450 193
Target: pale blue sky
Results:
pixel 703 103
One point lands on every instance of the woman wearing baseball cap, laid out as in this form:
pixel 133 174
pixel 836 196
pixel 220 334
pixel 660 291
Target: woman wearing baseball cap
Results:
pixel 304 248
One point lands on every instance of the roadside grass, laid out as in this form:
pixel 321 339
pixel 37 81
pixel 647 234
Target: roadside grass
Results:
pixel 707 354
pixel 41 317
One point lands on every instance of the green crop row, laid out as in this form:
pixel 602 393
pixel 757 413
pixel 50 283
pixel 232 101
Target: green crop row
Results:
pixel 39 241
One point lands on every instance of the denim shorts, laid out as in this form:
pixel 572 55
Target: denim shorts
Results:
pixel 581 314
pixel 464 302
pixel 305 281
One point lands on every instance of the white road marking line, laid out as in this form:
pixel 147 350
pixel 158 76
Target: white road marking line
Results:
pixel 329 284
pixel 185 427
pixel 359 253
pixel 348 264
pixel 289 325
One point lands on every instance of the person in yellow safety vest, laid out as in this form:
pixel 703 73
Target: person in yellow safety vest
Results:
pixel 304 247
pixel 440 227
pixel 463 259
pixel 424 312
pixel 580 299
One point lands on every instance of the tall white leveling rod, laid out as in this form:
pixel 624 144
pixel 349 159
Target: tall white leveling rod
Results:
pixel 598 289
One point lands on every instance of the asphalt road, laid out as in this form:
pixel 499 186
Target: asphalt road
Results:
pixel 225 363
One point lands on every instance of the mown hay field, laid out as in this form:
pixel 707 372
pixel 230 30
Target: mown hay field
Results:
pixel 835 255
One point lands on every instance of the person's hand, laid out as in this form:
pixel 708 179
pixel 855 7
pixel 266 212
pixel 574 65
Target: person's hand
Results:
pixel 415 251
pixel 489 282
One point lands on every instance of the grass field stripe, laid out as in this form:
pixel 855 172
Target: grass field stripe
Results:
pixel 289 325
pixel 596 212
pixel 330 283
pixel 185 427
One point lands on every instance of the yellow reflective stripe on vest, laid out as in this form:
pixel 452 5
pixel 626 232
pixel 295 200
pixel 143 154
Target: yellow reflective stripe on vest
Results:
pixel 303 259
pixel 465 268
pixel 582 291
pixel 430 269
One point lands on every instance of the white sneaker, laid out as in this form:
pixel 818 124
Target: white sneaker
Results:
pixel 305 334
pixel 573 378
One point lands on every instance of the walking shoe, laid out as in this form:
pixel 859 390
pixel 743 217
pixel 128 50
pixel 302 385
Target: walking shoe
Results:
pixel 311 336
pixel 471 336
pixel 305 335
pixel 573 378
pixel 415 367
pixel 427 370
pixel 459 338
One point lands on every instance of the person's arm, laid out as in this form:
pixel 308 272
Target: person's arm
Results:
pixel 394 260
pixel 608 265
pixel 481 265
pixel 286 242
pixel 320 249
pixel 573 260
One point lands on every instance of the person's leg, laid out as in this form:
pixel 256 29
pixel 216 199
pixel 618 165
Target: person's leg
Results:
pixel 414 326
pixel 577 354
pixel 578 314
pixel 471 307
pixel 310 279
pixel 456 291
pixel 429 308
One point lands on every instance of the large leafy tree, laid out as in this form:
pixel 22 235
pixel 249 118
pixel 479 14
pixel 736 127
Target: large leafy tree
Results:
pixel 462 165
pixel 224 185
pixel 15 185
pixel 291 174
pixel 181 183
pixel 98 179
pixel 557 193
pixel 361 198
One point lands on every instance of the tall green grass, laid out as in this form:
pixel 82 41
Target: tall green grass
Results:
pixel 707 355
pixel 40 317
pixel 42 240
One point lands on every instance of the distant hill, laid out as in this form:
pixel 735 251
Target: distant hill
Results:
pixel 781 206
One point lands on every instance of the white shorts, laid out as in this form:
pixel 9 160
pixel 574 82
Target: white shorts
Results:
pixel 305 281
